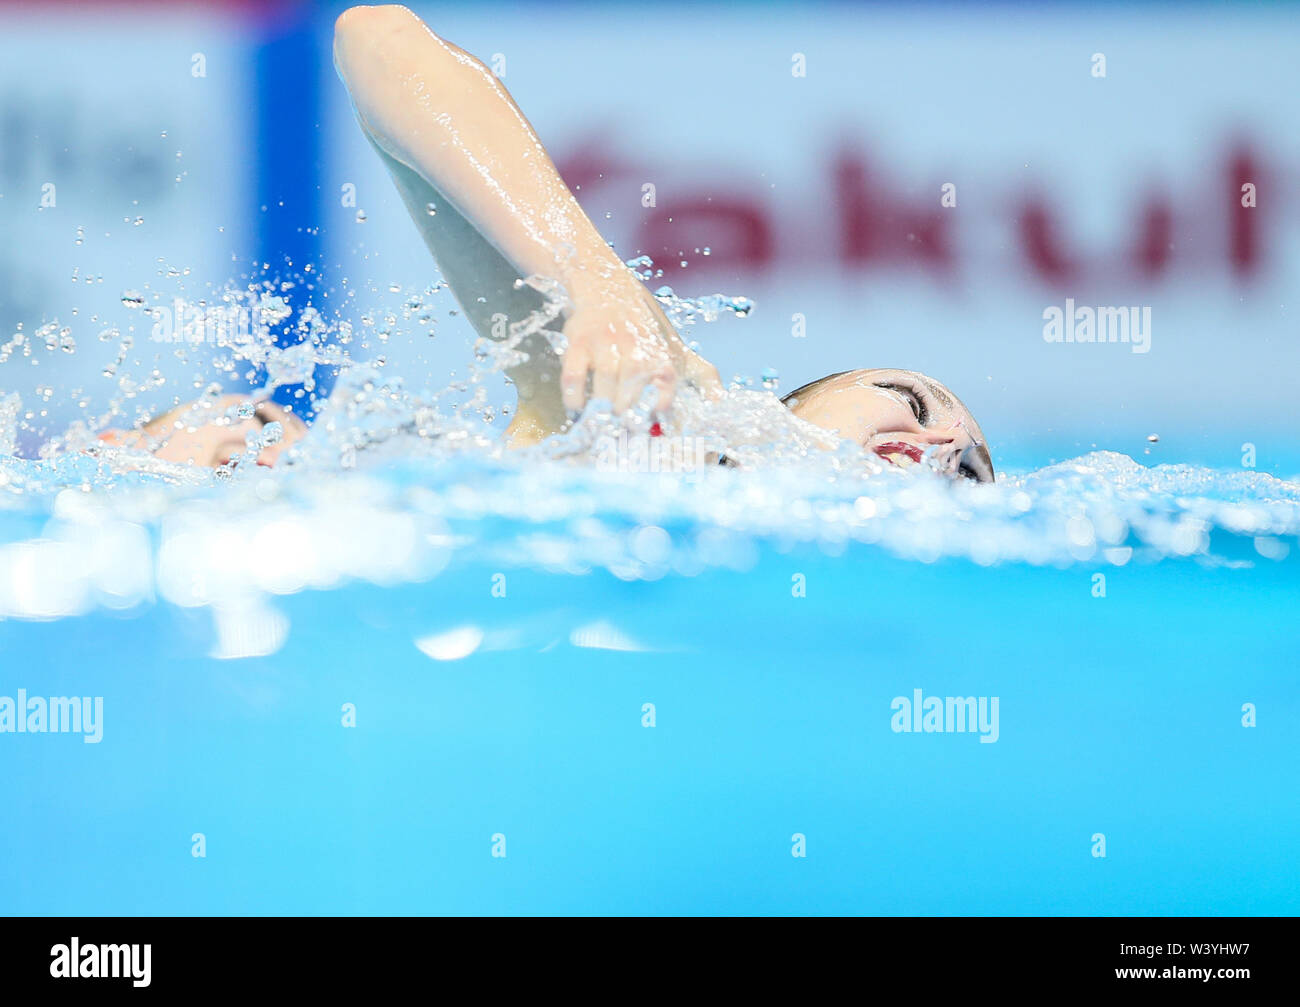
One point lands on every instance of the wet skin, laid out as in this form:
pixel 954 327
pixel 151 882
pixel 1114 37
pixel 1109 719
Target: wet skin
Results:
pixel 899 415
pixel 456 143
pixel 211 433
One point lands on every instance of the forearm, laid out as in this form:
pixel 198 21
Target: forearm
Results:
pixel 451 132
pixel 437 109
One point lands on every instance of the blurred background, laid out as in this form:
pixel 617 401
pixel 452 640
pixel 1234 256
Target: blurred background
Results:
pixel 167 149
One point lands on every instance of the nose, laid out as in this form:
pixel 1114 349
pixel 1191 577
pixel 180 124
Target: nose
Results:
pixel 947 458
pixel 949 447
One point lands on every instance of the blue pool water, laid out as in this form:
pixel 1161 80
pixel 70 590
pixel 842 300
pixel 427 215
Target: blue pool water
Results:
pixel 409 671
pixel 499 627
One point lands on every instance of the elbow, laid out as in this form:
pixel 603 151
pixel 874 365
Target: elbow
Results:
pixel 365 20
pixel 363 30
pixel 376 41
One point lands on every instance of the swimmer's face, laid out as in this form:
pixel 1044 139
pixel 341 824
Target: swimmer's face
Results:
pixel 899 415
pixel 212 432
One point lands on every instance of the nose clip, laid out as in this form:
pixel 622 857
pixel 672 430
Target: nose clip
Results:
pixel 973 465
pixel 946 460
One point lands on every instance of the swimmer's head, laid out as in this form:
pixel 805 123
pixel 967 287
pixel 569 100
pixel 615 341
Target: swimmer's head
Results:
pixel 899 415
pixel 211 432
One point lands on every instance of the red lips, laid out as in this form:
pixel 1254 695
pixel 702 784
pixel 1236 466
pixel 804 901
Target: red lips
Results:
pixel 898 448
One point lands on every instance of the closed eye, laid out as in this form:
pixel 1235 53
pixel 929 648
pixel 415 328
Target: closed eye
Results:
pixel 910 395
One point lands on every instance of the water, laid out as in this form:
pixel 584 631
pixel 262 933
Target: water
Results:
pixel 406 517
pixel 500 626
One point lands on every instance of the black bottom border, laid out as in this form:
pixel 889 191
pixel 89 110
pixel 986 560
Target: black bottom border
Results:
pixel 927 955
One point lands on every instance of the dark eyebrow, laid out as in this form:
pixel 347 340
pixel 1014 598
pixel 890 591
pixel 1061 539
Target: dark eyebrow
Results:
pixel 939 394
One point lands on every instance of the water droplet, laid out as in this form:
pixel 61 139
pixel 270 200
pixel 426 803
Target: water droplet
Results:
pixel 361 216
pixel 132 298
pixel 430 209
pixel 1153 438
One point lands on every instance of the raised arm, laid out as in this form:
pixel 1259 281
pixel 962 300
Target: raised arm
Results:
pixel 449 130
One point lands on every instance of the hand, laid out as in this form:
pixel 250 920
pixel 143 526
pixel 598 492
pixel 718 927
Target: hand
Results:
pixel 620 341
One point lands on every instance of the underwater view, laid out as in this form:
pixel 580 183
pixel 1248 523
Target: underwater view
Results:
pixel 354 568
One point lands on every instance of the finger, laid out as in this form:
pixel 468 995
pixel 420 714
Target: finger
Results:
pixel 604 379
pixel 631 379
pixel 573 377
pixel 664 382
pixel 704 376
